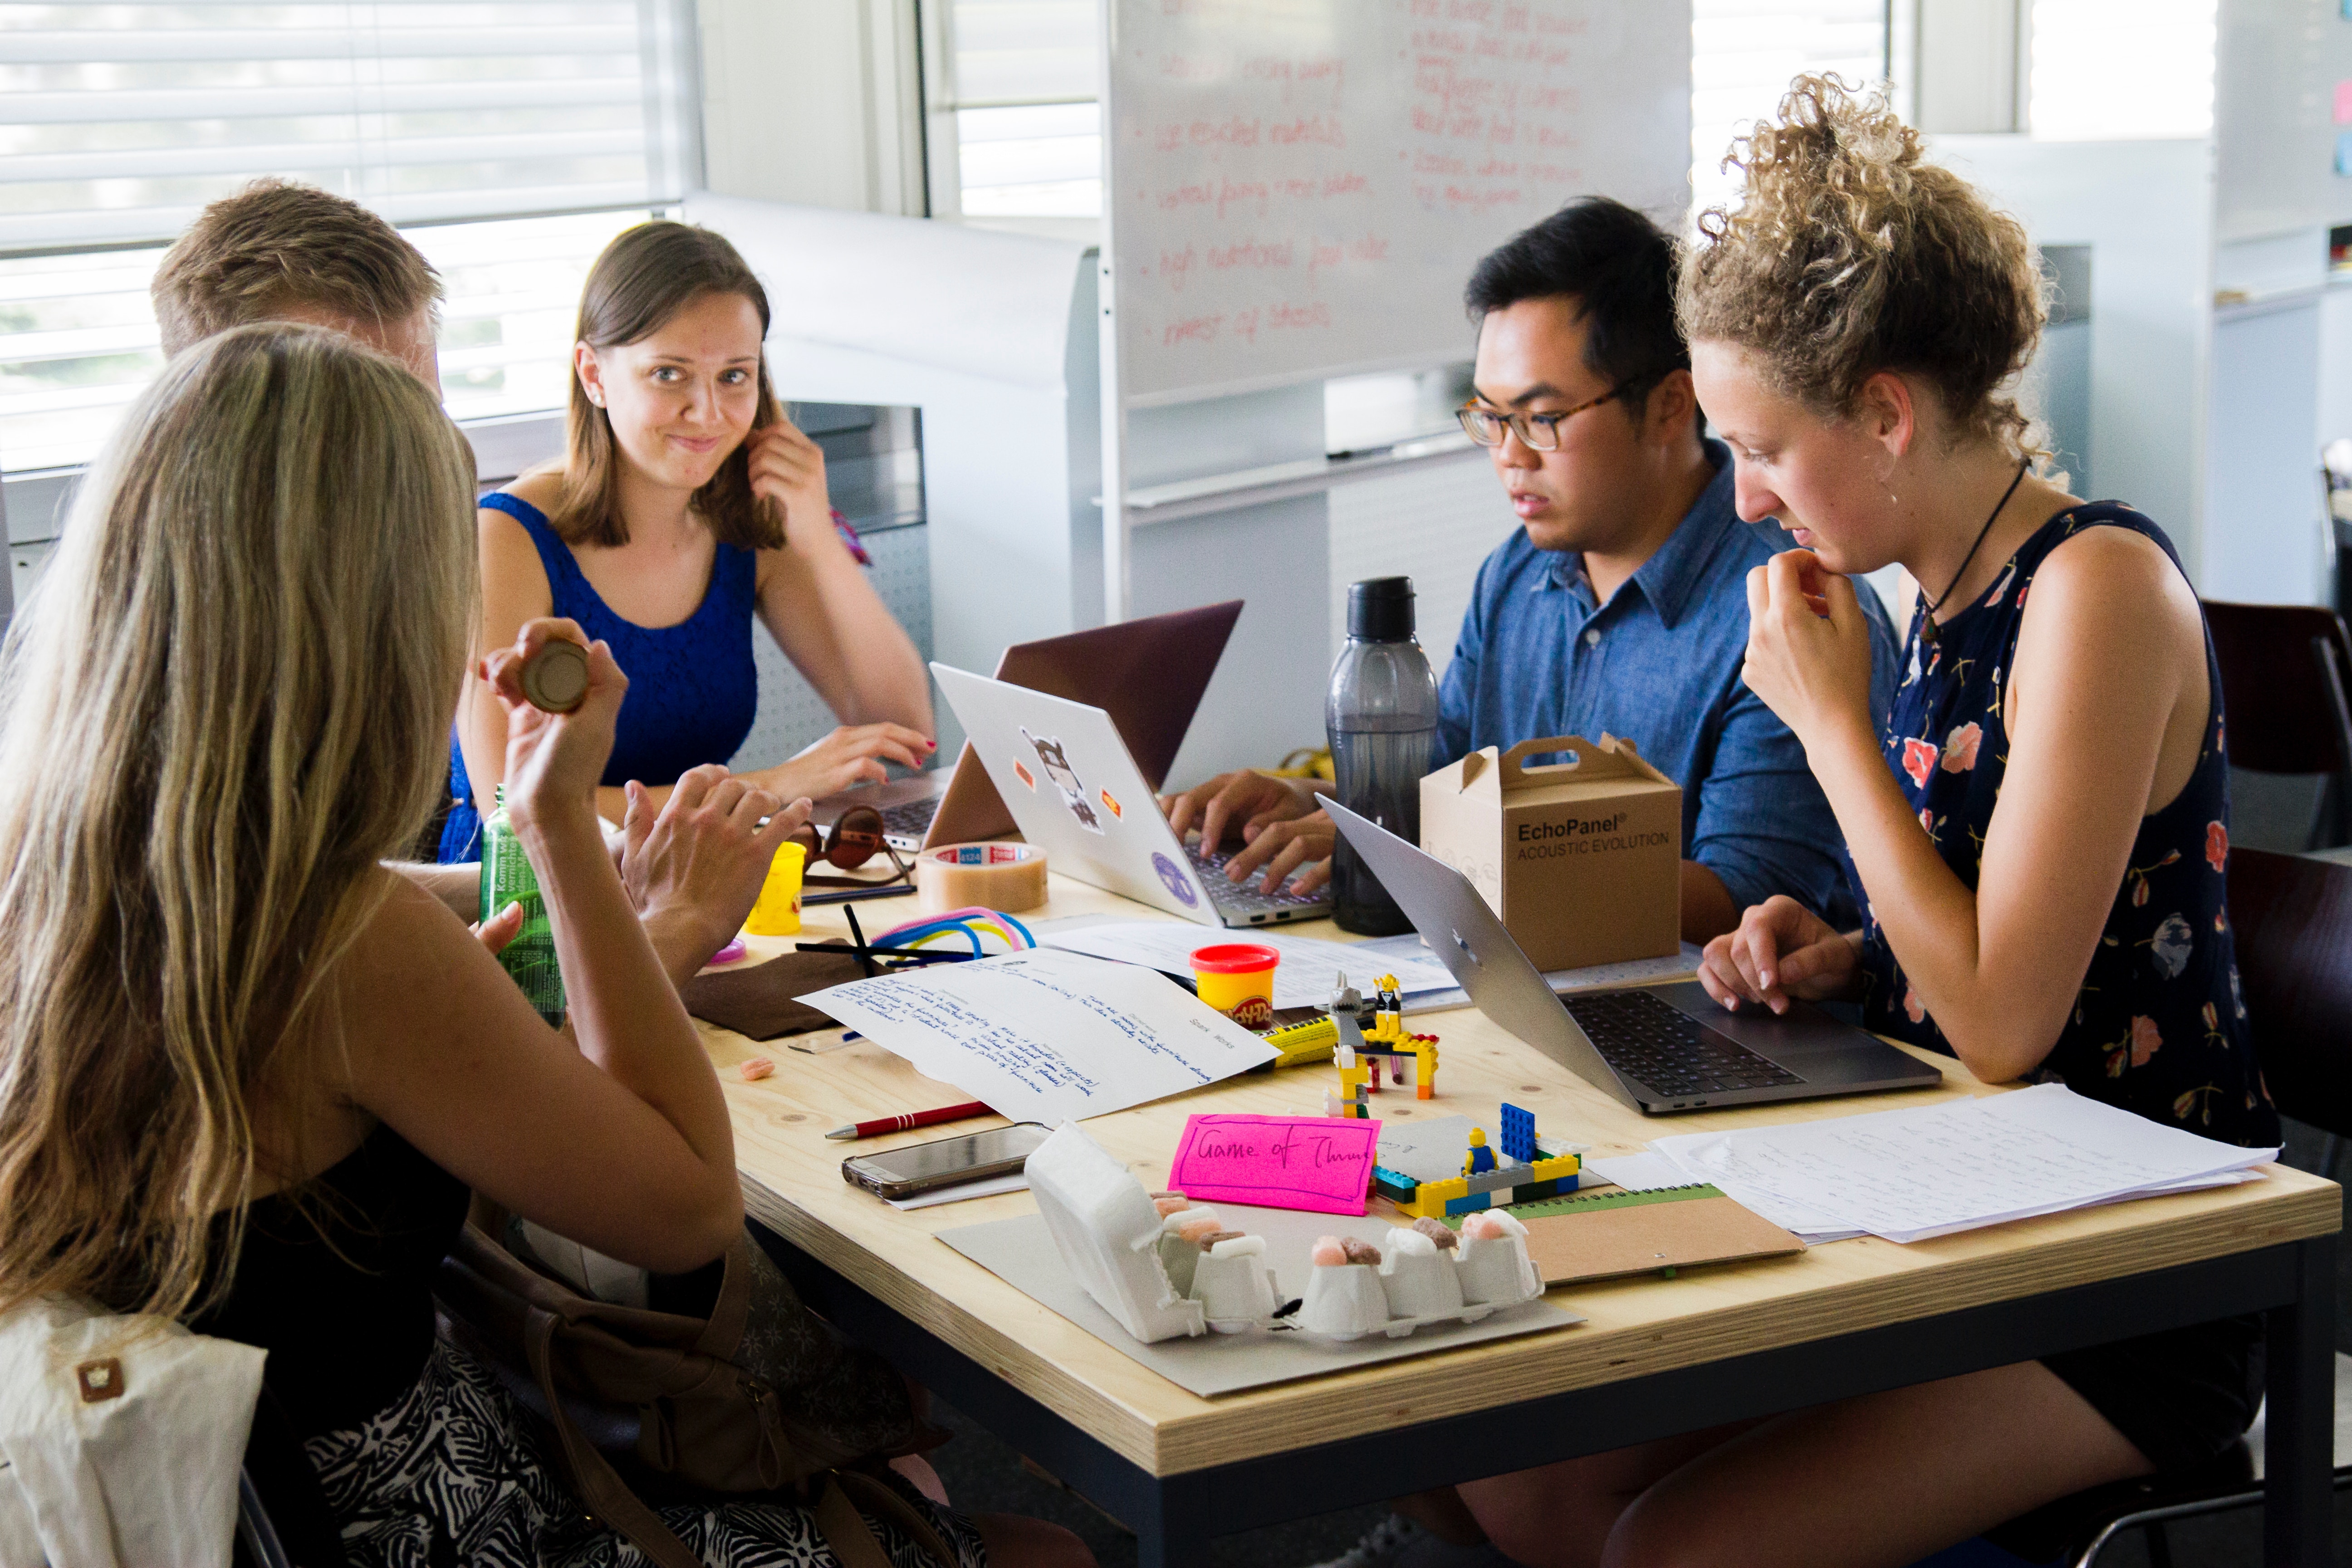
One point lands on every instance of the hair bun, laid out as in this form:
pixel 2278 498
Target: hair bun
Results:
pixel 1849 254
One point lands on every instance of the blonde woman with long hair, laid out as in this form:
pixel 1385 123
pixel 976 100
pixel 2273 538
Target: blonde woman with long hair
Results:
pixel 248 1076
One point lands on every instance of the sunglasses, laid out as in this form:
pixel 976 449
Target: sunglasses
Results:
pixel 855 839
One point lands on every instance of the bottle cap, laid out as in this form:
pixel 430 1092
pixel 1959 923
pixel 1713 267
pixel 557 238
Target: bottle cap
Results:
pixel 1380 609
pixel 556 677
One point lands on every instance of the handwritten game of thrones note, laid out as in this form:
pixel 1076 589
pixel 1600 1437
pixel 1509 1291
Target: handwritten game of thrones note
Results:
pixel 1046 1036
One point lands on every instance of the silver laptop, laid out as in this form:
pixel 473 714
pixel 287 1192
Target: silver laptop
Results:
pixel 1147 674
pixel 1076 792
pixel 1657 1047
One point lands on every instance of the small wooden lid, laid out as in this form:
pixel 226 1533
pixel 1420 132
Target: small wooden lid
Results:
pixel 556 678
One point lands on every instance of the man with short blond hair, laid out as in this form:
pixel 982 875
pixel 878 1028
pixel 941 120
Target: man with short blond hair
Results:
pixel 281 251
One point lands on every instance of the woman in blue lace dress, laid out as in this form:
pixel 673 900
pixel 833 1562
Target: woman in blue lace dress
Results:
pixel 2040 830
pixel 685 504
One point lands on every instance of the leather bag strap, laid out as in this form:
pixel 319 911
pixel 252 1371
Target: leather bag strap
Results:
pixel 722 1332
pixel 839 1516
pixel 602 1490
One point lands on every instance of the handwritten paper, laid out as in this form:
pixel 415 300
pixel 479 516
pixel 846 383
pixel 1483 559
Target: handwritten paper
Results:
pixel 1320 1163
pixel 1303 980
pixel 1299 188
pixel 1046 1036
pixel 1907 1175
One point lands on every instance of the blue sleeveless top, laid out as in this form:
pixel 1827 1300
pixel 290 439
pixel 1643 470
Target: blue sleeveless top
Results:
pixel 693 688
pixel 2158 1027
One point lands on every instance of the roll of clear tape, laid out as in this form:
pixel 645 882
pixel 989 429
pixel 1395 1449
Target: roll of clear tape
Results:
pixel 1007 877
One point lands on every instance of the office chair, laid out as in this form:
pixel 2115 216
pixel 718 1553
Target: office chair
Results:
pixel 2293 916
pixel 2286 691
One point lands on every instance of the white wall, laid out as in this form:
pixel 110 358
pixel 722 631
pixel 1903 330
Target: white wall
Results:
pixel 814 101
pixel 2262 506
pixel 992 337
pixel 2146 209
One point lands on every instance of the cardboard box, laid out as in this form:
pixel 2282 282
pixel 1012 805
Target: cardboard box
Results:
pixel 1581 860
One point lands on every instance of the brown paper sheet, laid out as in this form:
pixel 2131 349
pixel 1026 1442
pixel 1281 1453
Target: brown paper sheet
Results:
pixel 1602 1243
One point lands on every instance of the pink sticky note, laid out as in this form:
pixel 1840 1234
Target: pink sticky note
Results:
pixel 2344 103
pixel 1322 1164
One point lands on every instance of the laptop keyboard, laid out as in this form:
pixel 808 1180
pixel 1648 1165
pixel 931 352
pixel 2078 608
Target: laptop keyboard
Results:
pixel 1248 897
pixel 909 819
pixel 1657 1045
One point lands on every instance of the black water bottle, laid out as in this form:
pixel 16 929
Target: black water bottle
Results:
pixel 1381 717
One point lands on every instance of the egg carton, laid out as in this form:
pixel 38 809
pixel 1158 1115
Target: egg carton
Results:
pixel 1166 1267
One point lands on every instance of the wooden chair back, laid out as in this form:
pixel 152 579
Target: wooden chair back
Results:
pixel 2293 916
pixel 2286 671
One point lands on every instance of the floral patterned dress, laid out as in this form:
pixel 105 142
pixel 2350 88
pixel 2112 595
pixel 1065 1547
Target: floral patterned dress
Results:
pixel 2158 1026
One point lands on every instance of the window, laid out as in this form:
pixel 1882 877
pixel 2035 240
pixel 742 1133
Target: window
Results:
pixel 509 139
pixel 1743 54
pixel 1013 111
pixel 2103 70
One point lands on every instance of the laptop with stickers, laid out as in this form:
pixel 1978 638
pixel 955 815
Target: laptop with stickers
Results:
pixel 1076 791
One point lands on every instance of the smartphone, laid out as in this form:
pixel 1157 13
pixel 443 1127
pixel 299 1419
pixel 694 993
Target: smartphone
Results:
pixel 945 1161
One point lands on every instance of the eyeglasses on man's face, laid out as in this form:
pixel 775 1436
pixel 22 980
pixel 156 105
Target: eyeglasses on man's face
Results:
pixel 1537 432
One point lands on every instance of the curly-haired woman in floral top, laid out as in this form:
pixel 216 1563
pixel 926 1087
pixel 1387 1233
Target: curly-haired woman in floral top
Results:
pixel 2040 829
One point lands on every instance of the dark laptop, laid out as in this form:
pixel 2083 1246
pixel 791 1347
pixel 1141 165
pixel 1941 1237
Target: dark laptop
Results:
pixel 1147 674
pixel 1659 1048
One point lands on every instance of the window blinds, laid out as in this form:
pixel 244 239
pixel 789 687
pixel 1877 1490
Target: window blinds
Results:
pixel 120 121
pixel 1743 55
pixel 1021 83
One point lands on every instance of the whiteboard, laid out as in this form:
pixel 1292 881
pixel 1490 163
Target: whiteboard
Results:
pixel 1299 188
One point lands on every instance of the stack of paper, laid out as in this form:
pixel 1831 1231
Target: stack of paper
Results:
pixel 1309 963
pixel 1048 1037
pixel 1906 1175
pixel 1303 979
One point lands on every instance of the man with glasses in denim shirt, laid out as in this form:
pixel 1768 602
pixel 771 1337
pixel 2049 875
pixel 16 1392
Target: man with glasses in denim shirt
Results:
pixel 1621 605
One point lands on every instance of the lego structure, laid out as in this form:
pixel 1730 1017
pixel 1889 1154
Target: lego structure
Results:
pixel 1529 1168
pixel 1361 1051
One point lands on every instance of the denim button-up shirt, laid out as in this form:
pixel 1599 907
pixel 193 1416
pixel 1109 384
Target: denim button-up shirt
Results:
pixel 1659 664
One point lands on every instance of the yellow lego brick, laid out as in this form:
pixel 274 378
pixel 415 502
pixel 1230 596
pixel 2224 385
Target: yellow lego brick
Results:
pixel 1429 1200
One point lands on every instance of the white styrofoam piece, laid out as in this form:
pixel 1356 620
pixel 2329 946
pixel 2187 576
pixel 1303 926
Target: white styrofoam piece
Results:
pixel 1108 1232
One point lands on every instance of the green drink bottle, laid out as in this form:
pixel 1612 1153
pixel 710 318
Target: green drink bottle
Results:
pixel 508 878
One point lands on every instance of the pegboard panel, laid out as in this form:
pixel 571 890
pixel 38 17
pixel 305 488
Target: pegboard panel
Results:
pixel 1434 525
pixel 791 715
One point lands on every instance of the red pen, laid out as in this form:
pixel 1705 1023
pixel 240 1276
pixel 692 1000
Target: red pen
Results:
pixel 901 1122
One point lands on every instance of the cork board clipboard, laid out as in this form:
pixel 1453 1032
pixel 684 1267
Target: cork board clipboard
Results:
pixel 1608 1235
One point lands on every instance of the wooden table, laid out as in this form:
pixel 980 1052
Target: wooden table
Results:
pixel 1653 1359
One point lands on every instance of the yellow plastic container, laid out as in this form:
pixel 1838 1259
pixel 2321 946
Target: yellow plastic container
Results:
pixel 1236 978
pixel 778 912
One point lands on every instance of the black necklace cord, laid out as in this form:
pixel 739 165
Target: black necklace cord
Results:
pixel 1927 623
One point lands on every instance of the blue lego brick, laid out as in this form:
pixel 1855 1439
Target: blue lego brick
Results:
pixel 1394 1186
pixel 1519 1133
pixel 1474 1201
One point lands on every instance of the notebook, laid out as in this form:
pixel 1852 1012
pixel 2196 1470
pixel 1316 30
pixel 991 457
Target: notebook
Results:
pixel 1605 1236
